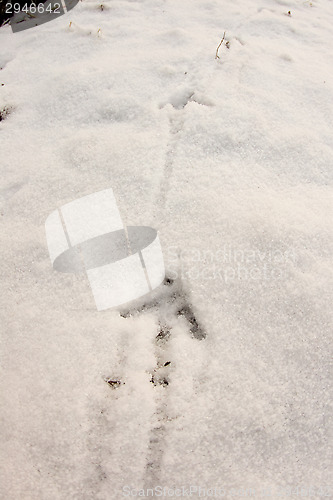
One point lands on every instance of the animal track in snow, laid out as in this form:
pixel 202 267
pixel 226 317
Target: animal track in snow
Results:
pixel 5 112
pixel 172 305
pixel 171 300
pixel 182 97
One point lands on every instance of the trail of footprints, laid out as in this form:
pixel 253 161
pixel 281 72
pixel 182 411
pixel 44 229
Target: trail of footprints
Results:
pixel 171 304
pixel 178 306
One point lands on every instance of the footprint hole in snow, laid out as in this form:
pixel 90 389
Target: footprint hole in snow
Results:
pixel 163 334
pixel 179 100
pixel 156 380
pixel 5 112
pixel 195 328
pixel 172 301
pixel 113 382
pixel 168 281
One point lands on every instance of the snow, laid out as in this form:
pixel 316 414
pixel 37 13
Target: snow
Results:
pixel 230 160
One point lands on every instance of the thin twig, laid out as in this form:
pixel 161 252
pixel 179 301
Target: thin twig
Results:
pixel 219 45
pixel 5 22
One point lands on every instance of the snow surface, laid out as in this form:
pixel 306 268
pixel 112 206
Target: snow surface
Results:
pixel 231 160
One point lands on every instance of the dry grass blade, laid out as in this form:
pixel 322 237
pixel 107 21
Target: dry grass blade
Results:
pixel 219 45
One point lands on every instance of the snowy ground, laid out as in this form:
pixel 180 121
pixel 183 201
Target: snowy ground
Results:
pixel 231 160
